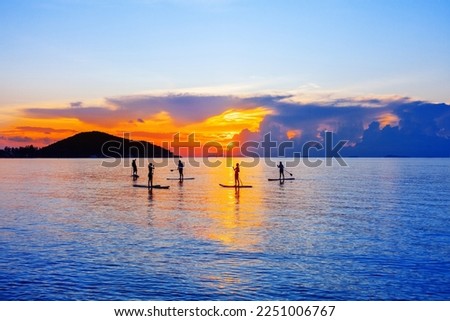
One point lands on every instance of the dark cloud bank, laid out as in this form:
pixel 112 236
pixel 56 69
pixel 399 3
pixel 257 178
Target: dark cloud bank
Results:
pixel 372 128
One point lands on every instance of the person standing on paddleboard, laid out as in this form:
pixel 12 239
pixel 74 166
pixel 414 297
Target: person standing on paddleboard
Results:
pixel 281 167
pixel 150 175
pixel 180 170
pixel 133 165
pixel 236 175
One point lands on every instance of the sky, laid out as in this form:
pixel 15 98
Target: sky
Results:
pixel 223 69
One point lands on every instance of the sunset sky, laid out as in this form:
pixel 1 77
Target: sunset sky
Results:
pixel 224 69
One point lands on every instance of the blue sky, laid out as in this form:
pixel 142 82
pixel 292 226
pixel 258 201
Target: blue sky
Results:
pixel 63 50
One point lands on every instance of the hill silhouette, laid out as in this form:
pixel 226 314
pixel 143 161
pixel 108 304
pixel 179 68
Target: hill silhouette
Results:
pixel 99 144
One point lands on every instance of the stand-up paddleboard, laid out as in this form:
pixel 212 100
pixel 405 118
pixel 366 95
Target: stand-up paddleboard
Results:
pixel 236 186
pixel 154 186
pixel 177 179
pixel 135 176
pixel 281 179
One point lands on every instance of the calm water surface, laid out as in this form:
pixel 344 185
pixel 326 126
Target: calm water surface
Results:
pixel 378 229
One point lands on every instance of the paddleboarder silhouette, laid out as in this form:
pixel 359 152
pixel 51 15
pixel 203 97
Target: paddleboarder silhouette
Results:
pixel 180 170
pixel 281 167
pixel 133 165
pixel 151 168
pixel 236 175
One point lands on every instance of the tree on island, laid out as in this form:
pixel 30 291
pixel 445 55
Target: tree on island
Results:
pixel 28 151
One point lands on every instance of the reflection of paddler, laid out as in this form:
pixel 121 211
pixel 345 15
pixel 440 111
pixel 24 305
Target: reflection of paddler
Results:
pixel 236 175
pixel 150 175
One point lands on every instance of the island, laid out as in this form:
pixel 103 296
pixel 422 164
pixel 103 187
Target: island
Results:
pixel 92 144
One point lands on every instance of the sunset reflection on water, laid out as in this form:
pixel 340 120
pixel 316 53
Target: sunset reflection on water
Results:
pixel 322 236
pixel 205 210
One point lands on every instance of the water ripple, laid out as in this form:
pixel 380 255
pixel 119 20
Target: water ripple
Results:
pixel 376 230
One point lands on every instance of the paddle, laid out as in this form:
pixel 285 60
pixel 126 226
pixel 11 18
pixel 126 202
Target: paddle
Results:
pixel 287 172
pixel 176 170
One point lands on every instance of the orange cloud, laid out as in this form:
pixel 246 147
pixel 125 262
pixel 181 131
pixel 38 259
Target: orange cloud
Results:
pixel 229 123
pixel 219 128
pixel 388 119
pixel 39 132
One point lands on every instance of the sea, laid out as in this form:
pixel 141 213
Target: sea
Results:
pixel 77 229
